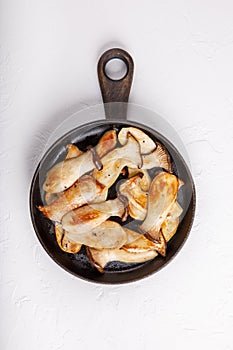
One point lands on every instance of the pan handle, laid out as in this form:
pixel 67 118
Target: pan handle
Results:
pixel 115 90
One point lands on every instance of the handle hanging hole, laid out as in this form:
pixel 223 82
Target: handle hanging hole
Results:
pixel 116 69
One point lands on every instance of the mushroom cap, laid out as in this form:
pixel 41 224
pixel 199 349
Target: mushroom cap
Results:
pixel 147 145
pixel 159 158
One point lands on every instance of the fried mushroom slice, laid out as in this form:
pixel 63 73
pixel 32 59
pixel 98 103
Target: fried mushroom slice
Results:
pixel 159 158
pixel 100 258
pixel 140 244
pixel 147 145
pixel 145 177
pixel 137 199
pixel 130 151
pixel 72 152
pixel 160 242
pixel 162 195
pixel 83 191
pixel 88 217
pixel 51 197
pixel 110 172
pixel 168 229
pixel 64 243
pixel 65 173
pixel 116 160
pixel 170 225
pixel 131 235
pixel 109 234
pixel 175 211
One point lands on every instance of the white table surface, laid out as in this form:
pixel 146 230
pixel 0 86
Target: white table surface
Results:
pixel 183 51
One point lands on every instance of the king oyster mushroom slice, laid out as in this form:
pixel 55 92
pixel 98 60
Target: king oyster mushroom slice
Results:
pixel 51 197
pixel 138 245
pixel 100 258
pixel 64 242
pixel 168 228
pixel 83 191
pixel 131 235
pixel 137 199
pixel 116 160
pixel 72 152
pixel 88 217
pixel 65 173
pixel 159 158
pixel 162 195
pixel 109 234
pixel 146 144
pixel 110 172
pixel 175 211
pixel 145 177
pixel 170 225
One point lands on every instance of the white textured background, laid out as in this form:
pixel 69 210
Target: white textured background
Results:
pixel 184 69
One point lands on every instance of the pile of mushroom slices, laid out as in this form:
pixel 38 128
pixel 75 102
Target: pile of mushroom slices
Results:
pixel 76 195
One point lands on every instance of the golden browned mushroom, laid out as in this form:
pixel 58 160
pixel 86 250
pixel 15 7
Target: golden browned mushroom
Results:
pixel 175 210
pixel 116 160
pixel 137 198
pixel 159 158
pixel 110 172
pixel 65 173
pixel 140 244
pixel 137 246
pixel 87 218
pixel 147 145
pixel 72 152
pixel 131 235
pixel 168 229
pixel 109 234
pixel 145 177
pixel 162 195
pixel 170 225
pixel 51 197
pixel 64 243
pixel 83 191
pixel 100 258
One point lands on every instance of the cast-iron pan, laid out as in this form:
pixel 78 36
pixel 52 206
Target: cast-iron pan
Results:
pixel 115 95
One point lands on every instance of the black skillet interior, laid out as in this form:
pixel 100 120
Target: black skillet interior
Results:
pixel 78 264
